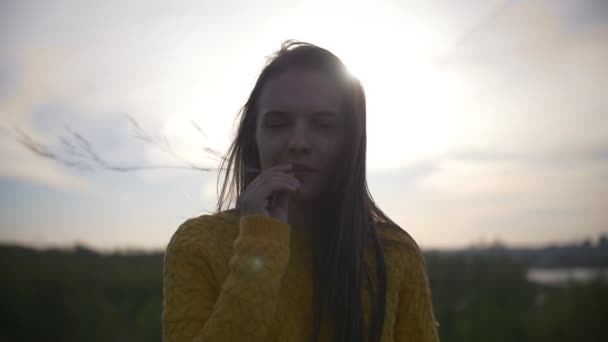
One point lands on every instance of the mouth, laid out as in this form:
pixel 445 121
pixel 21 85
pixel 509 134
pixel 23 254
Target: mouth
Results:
pixel 301 168
pixel 302 172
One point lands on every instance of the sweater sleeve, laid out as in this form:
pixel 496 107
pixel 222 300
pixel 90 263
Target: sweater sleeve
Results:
pixel 197 308
pixel 415 320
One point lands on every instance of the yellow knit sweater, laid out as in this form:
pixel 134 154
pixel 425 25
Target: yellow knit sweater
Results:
pixel 231 278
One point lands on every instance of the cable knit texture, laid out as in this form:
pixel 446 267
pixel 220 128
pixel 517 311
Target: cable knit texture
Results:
pixel 232 278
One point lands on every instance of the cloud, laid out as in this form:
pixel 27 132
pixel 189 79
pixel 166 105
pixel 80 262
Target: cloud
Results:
pixel 485 118
pixel 581 15
pixel 517 199
pixel 8 79
pixel 533 87
pixel 65 86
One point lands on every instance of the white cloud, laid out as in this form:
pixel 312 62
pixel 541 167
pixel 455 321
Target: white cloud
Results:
pixel 518 201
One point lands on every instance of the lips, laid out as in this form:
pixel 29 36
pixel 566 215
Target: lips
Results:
pixel 302 168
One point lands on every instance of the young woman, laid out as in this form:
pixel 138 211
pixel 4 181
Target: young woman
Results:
pixel 305 254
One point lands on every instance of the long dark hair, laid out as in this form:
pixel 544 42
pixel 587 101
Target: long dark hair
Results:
pixel 351 216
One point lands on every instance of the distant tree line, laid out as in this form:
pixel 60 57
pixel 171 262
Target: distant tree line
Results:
pixel 577 254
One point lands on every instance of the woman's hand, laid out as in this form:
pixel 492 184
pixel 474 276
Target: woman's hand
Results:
pixel 268 193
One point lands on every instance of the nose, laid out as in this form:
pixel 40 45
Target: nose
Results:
pixel 299 140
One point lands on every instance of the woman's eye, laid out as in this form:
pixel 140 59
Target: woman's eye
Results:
pixel 274 124
pixel 325 124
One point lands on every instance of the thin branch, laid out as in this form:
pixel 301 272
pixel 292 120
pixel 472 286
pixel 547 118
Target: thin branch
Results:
pixel 77 152
pixel 162 142
pixel 198 128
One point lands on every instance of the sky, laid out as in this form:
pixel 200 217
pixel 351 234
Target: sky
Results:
pixel 487 120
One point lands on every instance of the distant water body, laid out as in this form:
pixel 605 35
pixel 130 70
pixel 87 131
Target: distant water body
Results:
pixel 561 276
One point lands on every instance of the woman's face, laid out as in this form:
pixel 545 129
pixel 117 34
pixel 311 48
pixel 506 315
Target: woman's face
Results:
pixel 299 121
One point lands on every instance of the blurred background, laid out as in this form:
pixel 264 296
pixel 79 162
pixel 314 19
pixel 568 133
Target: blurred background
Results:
pixel 487 142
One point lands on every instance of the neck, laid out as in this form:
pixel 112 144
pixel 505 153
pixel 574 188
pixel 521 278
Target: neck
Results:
pixel 302 214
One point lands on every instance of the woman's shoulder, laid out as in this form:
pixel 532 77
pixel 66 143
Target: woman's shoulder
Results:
pixel 402 251
pixel 393 235
pixel 210 228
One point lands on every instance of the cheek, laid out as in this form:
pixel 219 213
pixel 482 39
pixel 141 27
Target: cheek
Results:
pixel 269 151
pixel 330 154
pixel 330 150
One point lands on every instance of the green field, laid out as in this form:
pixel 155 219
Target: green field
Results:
pixel 80 295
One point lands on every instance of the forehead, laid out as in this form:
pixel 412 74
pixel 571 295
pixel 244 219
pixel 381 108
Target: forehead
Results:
pixel 301 91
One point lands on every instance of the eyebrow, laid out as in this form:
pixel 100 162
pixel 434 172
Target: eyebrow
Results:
pixel 325 113
pixel 273 113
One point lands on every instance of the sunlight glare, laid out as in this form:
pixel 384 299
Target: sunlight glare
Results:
pixel 410 102
pixel 408 107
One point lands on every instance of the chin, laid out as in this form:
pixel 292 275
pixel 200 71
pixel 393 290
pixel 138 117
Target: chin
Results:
pixel 304 195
